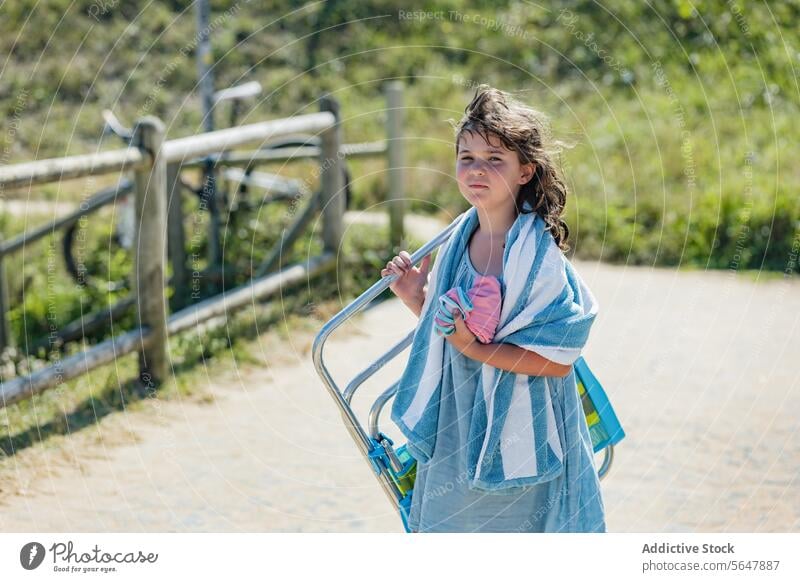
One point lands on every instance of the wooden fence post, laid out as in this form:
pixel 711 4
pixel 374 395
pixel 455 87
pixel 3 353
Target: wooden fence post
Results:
pixel 150 249
pixel 331 179
pixel 5 330
pixel 176 240
pixel 395 161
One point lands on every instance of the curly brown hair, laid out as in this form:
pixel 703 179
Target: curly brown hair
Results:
pixel 527 132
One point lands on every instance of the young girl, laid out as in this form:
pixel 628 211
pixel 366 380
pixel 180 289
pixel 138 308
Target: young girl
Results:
pixel 497 428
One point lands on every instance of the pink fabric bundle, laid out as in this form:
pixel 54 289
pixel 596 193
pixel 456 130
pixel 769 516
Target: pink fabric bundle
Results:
pixel 479 307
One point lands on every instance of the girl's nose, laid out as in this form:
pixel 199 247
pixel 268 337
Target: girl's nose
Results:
pixel 478 169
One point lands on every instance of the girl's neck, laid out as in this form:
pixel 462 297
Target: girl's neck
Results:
pixel 495 223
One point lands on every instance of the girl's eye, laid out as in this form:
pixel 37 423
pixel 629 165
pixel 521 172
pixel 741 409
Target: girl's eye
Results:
pixel 468 158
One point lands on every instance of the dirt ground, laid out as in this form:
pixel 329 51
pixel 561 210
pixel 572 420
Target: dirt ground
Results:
pixel 701 368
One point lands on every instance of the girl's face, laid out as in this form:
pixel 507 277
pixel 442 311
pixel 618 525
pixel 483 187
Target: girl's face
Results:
pixel 489 175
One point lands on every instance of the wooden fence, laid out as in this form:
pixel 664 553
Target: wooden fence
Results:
pixel 156 163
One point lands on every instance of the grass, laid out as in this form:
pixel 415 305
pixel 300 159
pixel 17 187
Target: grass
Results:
pixel 708 90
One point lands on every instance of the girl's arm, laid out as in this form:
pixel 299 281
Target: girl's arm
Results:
pixel 514 359
pixel 504 356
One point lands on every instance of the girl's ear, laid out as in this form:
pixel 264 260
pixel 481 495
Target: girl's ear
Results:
pixel 527 173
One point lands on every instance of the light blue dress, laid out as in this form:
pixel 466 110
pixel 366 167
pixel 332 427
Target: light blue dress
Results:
pixel 441 500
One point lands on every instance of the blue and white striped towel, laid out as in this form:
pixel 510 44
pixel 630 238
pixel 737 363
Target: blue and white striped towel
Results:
pixel 514 438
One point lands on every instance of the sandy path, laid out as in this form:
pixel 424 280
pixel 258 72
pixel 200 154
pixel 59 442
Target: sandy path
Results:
pixel 701 368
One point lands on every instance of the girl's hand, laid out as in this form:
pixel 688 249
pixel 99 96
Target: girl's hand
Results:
pixel 410 285
pixel 462 338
